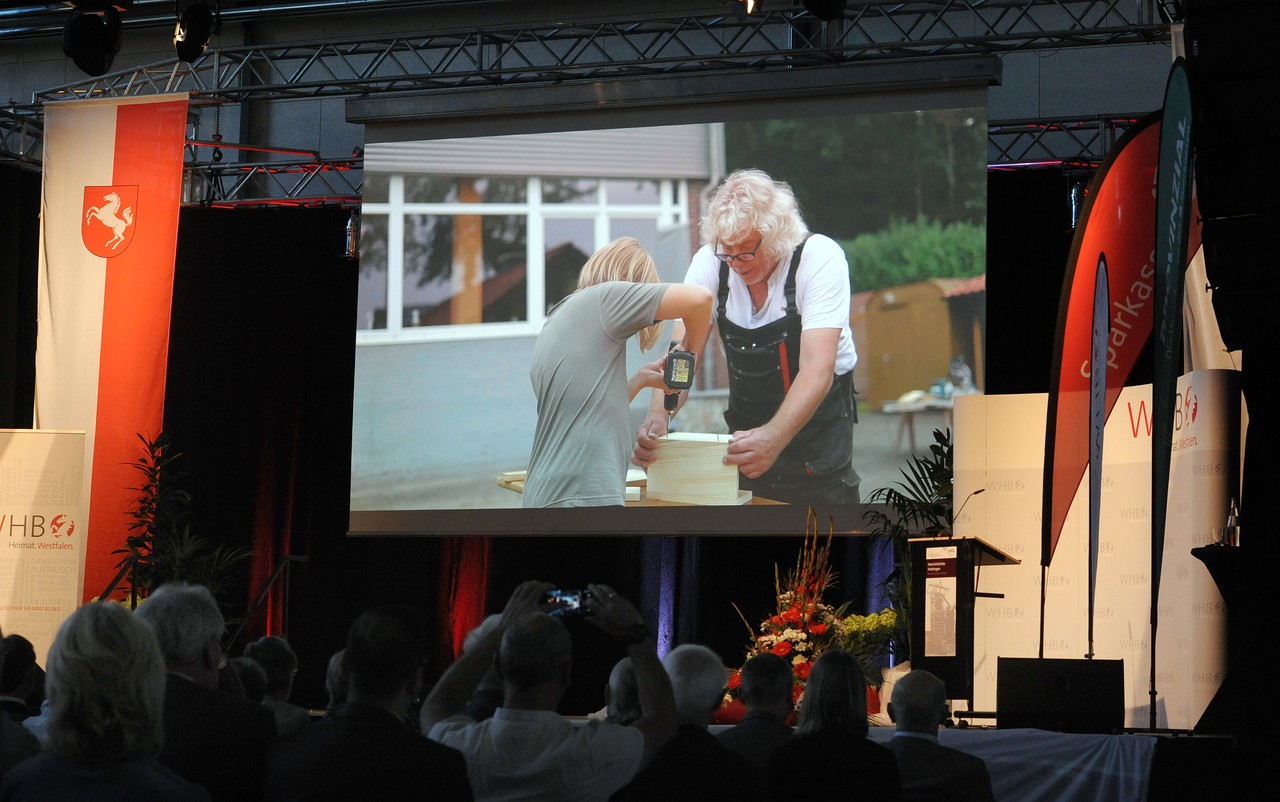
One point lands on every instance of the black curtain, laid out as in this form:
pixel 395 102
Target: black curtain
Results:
pixel 19 253
pixel 258 403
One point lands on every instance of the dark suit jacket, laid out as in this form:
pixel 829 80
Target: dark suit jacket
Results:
pixel 932 772
pixel 216 739
pixel 756 736
pixel 694 766
pixel 49 776
pixel 364 752
pixel 833 765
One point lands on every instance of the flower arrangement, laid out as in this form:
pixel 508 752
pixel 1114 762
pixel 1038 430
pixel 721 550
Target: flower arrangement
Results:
pixel 804 626
pixel 867 637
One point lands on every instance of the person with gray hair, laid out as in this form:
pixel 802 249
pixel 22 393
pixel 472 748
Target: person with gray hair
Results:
pixel 622 695
pixel 831 730
pixel 213 738
pixel 766 691
pixel 783 299
pixel 930 771
pixel 694 765
pixel 526 749
pixel 105 685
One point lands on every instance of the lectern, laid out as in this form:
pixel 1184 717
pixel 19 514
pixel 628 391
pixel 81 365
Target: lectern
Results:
pixel 944 580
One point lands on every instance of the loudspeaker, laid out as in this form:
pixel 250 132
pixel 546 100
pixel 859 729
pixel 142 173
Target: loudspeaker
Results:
pixel 1060 695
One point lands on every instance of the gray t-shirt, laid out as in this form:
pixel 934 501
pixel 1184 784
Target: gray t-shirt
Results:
pixel 582 444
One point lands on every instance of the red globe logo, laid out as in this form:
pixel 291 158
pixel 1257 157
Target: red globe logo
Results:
pixel 61 522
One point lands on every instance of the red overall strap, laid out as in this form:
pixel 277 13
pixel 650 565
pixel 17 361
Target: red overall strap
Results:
pixel 786 367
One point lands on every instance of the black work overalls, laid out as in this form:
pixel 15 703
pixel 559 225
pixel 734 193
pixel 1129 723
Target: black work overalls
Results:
pixel 817 466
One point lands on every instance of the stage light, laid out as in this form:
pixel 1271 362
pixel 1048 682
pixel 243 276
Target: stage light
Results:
pixel 191 34
pixel 825 10
pixel 91 38
pixel 741 8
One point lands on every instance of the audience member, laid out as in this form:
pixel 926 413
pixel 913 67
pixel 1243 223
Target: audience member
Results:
pixel 766 691
pixel 527 750
pixel 106 696
pixel 20 678
pixel 213 738
pixel 18 740
pixel 335 682
pixel 622 694
pixel 694 765
pixel 38 724
pixel 488 694
pixel 831 756
pixel 368 748
pixel 280 663
pixel 931 772
pixel 244 676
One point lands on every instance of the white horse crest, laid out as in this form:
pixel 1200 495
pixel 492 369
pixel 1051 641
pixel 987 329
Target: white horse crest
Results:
pixel 110 215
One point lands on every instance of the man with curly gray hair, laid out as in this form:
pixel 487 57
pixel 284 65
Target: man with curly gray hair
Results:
pixel 783 304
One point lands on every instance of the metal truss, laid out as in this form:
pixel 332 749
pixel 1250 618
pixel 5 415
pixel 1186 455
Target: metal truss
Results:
pixel 311 182
pixel 1077 145
pixel 549 54
pixel 1081 142
pixel 21 138
pixel 556 53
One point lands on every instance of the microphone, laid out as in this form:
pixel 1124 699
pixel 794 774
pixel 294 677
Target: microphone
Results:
pixel 951 532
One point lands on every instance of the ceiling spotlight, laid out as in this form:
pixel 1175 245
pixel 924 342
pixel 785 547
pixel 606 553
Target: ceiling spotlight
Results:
pixel 825 10
pixel 191 34
pixel 91 38
pixel 741 8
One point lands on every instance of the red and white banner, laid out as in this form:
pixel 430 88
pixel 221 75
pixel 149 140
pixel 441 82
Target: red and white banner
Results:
pixel 109 232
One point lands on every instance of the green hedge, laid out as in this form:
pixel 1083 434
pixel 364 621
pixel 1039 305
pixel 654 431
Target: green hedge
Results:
pixel 907 252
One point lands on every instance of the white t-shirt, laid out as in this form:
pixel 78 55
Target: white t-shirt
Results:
pixel 822 293
pixel 538 755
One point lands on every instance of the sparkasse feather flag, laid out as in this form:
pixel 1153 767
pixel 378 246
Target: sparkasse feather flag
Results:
pixel 112 189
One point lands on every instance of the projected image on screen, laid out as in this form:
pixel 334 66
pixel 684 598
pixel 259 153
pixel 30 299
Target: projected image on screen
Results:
pixel 466 243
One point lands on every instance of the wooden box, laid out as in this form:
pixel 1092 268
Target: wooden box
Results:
pixel 690 469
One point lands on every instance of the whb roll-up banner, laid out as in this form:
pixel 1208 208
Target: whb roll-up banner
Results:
pixel 42 510
pixel 108 236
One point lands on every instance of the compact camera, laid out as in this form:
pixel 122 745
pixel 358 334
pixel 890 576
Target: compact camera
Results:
pixel 570 601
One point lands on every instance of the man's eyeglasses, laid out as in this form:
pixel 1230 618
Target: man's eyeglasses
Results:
pixel 741 258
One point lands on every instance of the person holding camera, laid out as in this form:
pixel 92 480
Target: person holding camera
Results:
pixel 526 749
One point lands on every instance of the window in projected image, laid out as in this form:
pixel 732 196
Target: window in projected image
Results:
pixel 460 250
pixel 466 243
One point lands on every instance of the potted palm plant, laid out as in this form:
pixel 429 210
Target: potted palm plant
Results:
pixel 161 546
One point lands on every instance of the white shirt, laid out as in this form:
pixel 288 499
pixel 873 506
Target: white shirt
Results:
pixel 538 755
pixel 822 293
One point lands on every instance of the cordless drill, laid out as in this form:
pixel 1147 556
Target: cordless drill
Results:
pixel 678 375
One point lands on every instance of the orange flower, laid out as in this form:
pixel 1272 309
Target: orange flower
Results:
pixel 817 629
pixel 735 680
pixel 791 616
pixel 801 670
pixel 782 648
